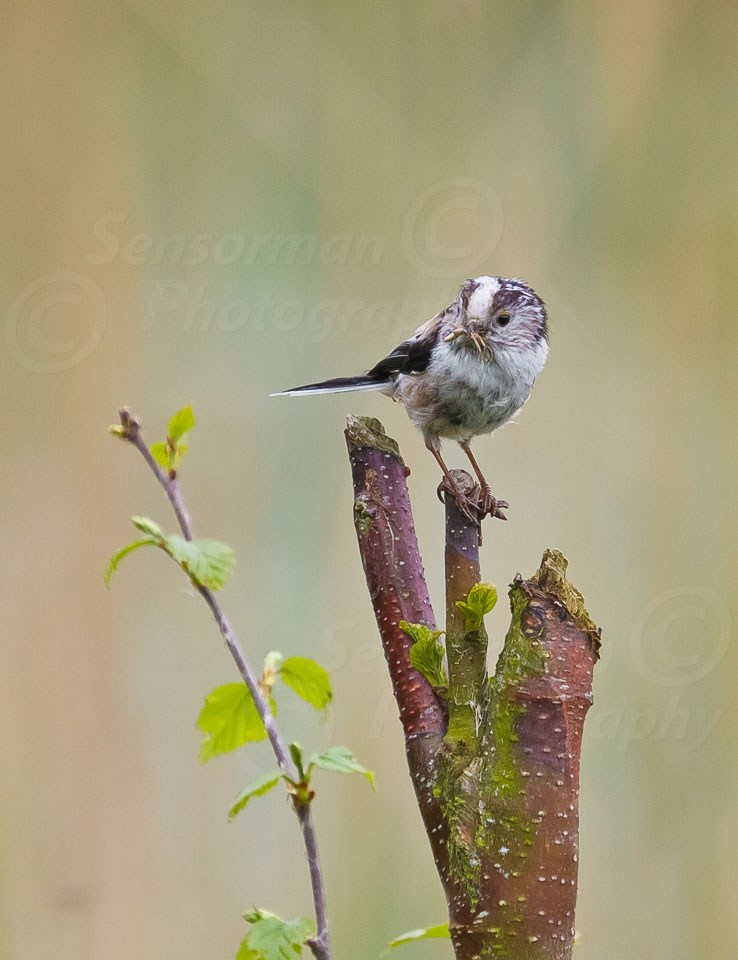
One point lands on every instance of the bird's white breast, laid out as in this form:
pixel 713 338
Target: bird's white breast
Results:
pixel 462 395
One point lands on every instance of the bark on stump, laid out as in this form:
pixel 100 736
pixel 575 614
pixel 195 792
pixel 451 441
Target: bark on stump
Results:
pixel 494 762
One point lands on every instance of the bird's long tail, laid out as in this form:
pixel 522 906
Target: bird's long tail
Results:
pixel 339 385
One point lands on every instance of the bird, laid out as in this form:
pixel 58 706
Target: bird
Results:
pixel 464 373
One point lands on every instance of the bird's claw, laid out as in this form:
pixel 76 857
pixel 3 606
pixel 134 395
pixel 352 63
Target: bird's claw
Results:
pixel 469 508
pixel 466 505
pixel 477 506
pixel 492 507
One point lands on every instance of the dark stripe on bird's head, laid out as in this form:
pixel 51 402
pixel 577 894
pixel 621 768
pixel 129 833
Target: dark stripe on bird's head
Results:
pixel 515 293
pixel 467 289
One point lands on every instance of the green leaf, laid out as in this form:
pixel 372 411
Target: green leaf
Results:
pixel 272 938
pixel 182 421
pixel 419 631
pixel 255 789
pixel 228 719
pixel 208 562
pixel 276 939
pixel 179 451
pixel 256 914
pixel 161 452
pixel 481 599
pixel 123 552
pixel 426 653
pixel 145 525
pixel 246 953
pixel 341 760
pixel 296 754
pixel 309 680
pixel 441 930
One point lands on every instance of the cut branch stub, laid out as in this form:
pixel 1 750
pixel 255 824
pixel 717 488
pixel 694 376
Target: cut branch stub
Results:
pixel 520 902
pixel 393 567
pixel 394 575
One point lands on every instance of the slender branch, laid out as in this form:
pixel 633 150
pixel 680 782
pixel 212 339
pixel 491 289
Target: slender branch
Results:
pixel 466 651
pixel 319 945
pixel 279 747
pixel 132 433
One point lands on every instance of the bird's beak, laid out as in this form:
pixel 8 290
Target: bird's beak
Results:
pixel 477 338
pixel 471 333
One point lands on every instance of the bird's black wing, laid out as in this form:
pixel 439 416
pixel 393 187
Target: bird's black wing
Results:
pixel 410 356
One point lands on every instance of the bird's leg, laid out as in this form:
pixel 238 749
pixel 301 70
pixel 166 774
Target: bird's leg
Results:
pixel 448 485
pixel 489 504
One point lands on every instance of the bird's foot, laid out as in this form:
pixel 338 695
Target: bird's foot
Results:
pixel 474 504
pixel 468 504
pixel 490 506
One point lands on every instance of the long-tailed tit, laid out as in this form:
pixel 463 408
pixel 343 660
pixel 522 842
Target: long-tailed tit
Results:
pixel 465 372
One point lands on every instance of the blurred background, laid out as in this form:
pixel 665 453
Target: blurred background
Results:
pixel 208 204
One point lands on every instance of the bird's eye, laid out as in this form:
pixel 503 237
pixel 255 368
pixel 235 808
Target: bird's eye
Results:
pixel 503 319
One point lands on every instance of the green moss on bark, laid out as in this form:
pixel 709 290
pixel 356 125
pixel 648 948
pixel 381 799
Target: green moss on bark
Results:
pixel 482 797
pixel 504 831
pixel 457 787
pixel 362 514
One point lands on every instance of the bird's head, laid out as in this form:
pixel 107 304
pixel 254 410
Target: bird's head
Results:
pixel 495 313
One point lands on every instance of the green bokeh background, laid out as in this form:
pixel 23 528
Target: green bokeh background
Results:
pixel 209 203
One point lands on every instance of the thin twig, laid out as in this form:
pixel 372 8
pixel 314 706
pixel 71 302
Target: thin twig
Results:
pixel 319 944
